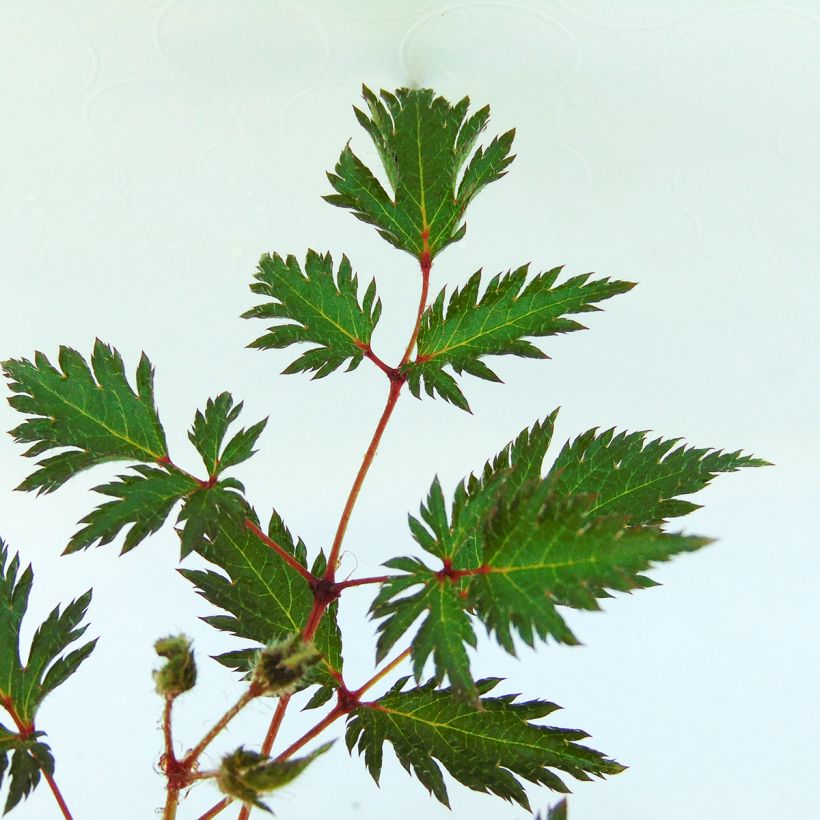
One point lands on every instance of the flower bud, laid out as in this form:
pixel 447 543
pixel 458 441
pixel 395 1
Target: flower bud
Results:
pixel 282 665
pixel 178 674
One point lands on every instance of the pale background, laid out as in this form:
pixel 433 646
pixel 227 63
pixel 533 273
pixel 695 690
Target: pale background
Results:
pixel 151 151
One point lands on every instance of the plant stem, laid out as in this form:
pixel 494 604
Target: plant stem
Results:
pixel 171 803
pixel 170 757
pixel 357 582
pixel 392 398
pixel 55 790
pixel 273 729
pixel 216 809
pixel 382 673
pixel 247 696
pixel 331 717
pixel 281 552
pixel 397 381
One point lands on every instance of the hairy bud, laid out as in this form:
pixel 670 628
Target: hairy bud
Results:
pixel 282 665
pixel 178 674
pixel 245 775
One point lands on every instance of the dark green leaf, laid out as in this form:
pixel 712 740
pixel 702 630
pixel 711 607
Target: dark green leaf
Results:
pixel 630 476
pixel 264 598
pixel 209 431
pixel 543 550
pixel 499 323
pixel 486 749
pixel 205 508
pixel 456 539
pixel 318 307
pixel 23 687
pixel 423 142
pixel 92 410
pixel 144 499
pixel 29 756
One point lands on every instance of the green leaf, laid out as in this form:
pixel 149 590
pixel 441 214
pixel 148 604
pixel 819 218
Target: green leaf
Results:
pixel 205 508
pixel 457 540
pixel 423 142
pixel 630 476
pixel 485 749
pixel 556 812
pixel 29 756
pixel 515 547
pixel 265 599
pixel 23 687
pixel 511 309
pixel 543 549
pixel 209 431
pixel 91 410
pixel 144 499
pixel 318 307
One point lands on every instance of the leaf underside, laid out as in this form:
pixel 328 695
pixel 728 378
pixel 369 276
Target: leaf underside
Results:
pixel 317 307
pixel 516 547
pixel 486 749
pixel 459 333
pixel 426 148
pixel 24 686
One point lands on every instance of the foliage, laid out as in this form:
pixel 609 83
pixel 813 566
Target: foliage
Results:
pixel 513 547
pixel 24 686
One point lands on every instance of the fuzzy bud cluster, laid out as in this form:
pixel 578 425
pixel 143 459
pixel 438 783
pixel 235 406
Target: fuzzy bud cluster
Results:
pixel 282 665
pixel 178 674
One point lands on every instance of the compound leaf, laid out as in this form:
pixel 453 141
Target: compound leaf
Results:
pixel 457 540
pixel 514 546
pixel 460 333
pixel 264 599
pixel 91 410
pixel 423 142
pixel 23 687
pixel 486 749
pixel 318 307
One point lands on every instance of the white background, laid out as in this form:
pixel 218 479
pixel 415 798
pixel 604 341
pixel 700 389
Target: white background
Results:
pixel 151 151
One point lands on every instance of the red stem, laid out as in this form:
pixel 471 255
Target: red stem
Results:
pixel 55 790
pixel 216 809
pixel 320 604
pixel 281 552
pixel 357 582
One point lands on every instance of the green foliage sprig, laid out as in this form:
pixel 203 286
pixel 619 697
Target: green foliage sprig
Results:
pixel 514 548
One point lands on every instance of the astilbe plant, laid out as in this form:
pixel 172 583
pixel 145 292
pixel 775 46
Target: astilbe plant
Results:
pixel 512 549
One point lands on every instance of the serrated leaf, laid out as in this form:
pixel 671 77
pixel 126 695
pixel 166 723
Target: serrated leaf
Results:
pixel 143 500
pixel 640 479
pixel 23 687
pixel 319 307
pixel 92 410
pixel 423 142
pixel 542 550
pixel 205 508
pixel 514 546
pixel 264 598
pixel 457 539
pixel 210 428
pixel 485 749
pixel 460 332
pixel 29 757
